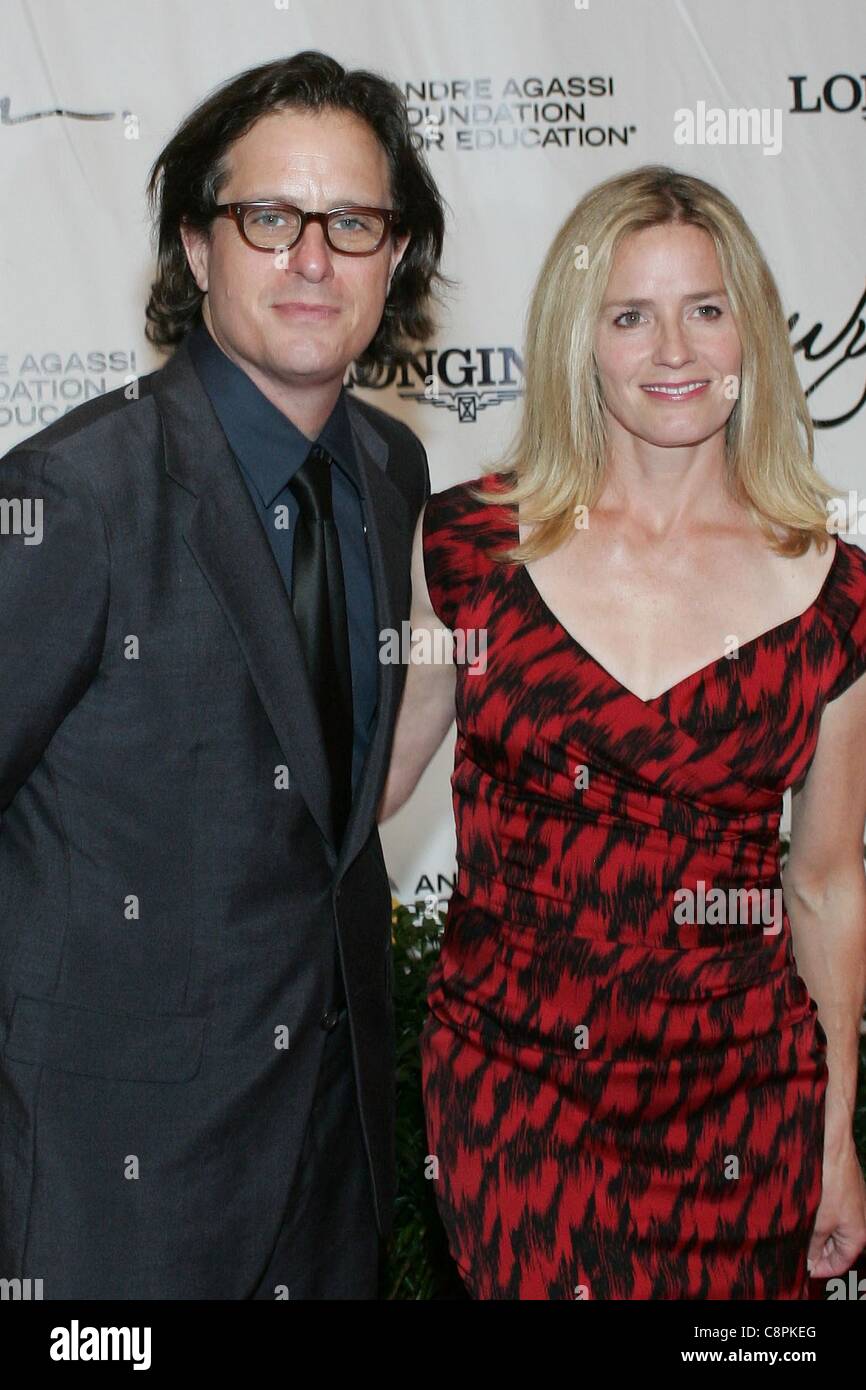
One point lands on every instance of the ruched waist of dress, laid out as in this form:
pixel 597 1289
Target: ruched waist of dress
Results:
pixel 622 808
pixel 734 919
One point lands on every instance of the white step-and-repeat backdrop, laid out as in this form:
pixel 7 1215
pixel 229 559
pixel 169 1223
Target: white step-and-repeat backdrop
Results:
pixel 521 105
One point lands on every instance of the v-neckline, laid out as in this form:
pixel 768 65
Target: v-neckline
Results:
pixel 692 675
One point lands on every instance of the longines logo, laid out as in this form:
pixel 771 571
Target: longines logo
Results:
pixel 465 380
pixel 842 93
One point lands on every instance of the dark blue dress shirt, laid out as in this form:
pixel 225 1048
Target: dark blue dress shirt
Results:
pixel 269 450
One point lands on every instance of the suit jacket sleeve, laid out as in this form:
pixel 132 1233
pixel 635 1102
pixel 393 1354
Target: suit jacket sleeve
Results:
pixel 53 607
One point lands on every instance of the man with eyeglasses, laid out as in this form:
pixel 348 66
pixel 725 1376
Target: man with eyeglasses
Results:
pixel 197 1078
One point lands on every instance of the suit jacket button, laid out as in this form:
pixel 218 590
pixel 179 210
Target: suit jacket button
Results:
pixel 329 1019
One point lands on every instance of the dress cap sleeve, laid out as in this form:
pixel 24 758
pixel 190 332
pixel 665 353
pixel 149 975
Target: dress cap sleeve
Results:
pixel 847 606
pixel 456 531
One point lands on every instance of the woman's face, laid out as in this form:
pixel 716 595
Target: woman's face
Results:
pixel 666 322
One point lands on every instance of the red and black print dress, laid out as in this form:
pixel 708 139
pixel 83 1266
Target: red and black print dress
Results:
pixel 623 1105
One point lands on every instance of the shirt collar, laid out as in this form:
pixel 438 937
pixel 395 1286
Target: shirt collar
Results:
pixel 268 446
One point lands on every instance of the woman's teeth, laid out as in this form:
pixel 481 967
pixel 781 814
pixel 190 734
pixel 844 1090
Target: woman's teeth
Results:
pixel 676 390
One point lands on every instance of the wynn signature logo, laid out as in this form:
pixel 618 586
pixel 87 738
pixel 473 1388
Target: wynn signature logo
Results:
pixel 7 119
pixel 848 344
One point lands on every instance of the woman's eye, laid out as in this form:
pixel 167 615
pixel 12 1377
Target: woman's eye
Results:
pixel 633 314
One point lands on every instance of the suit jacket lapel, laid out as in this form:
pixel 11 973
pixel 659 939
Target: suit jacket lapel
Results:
pixel 226 537
pixel 389 540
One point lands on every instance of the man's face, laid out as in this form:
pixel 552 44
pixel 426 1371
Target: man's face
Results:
pixel 301 317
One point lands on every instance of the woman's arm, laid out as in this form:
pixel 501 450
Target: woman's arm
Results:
pixel 427 707
pixel 825 894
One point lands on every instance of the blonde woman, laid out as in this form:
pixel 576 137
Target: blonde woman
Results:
pixel 628 1091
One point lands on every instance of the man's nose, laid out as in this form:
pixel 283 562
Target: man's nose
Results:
pixel 311 254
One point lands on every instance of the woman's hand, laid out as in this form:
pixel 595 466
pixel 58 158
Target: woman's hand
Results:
pixel 840 1225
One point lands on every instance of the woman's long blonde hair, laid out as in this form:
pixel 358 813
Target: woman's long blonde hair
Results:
pixel 559 455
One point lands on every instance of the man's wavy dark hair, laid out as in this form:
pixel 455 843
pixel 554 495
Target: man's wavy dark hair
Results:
pixel 186 177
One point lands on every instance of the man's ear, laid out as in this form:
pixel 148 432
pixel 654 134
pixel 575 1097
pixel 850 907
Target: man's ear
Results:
pixel 398 250
pixel 196 244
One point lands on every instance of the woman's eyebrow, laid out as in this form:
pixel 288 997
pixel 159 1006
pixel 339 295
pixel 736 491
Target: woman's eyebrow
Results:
pixel 686 299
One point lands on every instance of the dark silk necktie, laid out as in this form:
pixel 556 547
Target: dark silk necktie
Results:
pixel 319 603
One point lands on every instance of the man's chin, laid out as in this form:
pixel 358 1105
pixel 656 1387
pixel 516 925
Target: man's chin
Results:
pixel 300 368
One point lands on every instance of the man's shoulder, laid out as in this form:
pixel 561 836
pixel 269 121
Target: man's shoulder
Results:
pixel 96 429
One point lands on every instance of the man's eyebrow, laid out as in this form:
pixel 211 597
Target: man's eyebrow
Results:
pixel 283 198
pixel 687 299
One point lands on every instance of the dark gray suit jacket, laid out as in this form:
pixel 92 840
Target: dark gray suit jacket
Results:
pixel 167 902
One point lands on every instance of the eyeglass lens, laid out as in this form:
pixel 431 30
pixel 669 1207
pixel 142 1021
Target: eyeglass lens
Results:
pixel 349 230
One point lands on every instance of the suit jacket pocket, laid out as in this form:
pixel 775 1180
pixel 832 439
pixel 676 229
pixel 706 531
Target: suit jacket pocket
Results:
pixel 91 1042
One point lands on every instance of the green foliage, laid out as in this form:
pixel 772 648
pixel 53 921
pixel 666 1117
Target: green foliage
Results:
pixel 416 1261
